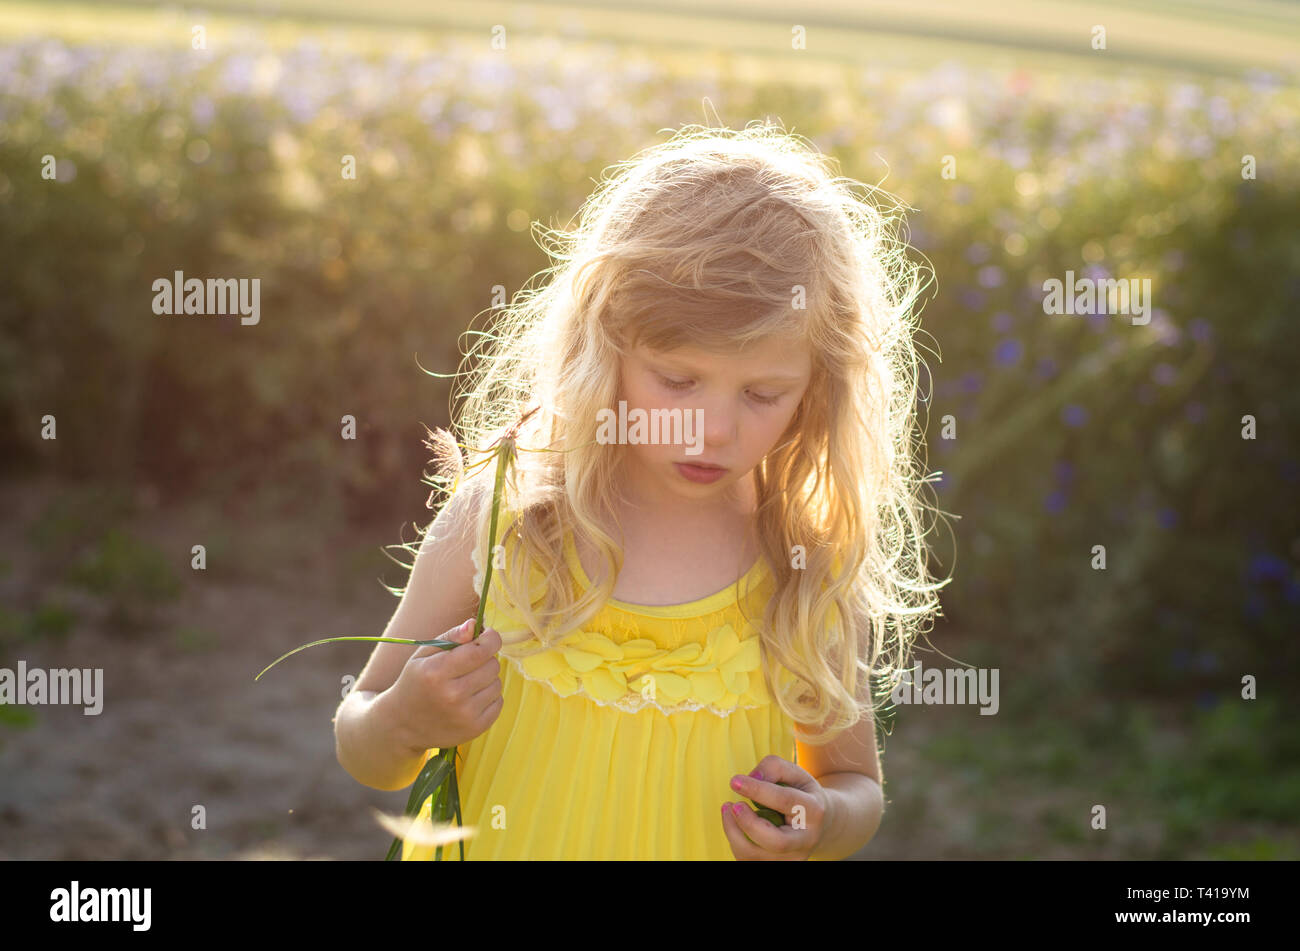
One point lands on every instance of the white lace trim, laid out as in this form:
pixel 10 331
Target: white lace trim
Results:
pixel 634 701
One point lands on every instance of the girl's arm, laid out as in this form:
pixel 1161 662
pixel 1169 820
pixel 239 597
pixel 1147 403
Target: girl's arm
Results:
pixel 369 739
pixel 857 804
pixel 368 745
pixel 848 768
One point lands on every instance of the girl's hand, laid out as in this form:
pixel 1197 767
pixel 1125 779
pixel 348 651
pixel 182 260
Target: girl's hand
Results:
pixel 802 801
pixel 444 698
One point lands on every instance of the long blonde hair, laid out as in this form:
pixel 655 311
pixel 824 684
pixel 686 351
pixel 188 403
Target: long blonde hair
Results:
pixel 714 238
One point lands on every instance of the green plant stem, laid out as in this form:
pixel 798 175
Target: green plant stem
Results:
pixel 449 778
pixel 436 642
pixel 438 777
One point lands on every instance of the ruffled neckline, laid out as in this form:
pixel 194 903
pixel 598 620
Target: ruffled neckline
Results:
pixel 709 604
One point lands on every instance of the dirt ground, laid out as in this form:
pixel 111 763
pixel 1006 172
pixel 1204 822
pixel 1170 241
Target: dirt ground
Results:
pixel 184 724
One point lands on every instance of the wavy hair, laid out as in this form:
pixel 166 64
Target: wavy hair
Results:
pixel 715 238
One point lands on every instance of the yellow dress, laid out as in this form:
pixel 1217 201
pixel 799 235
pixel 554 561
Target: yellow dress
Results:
pixel 620 743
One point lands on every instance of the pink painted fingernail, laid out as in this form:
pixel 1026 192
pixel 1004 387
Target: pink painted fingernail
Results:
pixel 756 774
pixel 736 810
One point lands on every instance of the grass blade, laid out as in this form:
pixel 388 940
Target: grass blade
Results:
pixel 436 642
pixel 455 797
pixel 429 779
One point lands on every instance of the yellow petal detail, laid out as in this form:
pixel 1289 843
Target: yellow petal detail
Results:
pixel 737 682
pixel 708 686
pixel 601 646
pixel 581 661
pixel 681 655
pixel 747 657
pixel 671 686
pixel 543 666
pixel 726 643
pixel 723 673
pixel 565 683
pixel 604 685
pixel 639 649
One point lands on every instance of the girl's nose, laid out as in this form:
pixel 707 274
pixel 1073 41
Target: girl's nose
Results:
pixel 718 423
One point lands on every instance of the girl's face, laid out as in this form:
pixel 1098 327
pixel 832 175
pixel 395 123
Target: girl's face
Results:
pixel 735 407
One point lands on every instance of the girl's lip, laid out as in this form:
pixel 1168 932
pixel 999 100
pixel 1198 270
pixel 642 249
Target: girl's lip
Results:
pixel 701 474
pixel 702 466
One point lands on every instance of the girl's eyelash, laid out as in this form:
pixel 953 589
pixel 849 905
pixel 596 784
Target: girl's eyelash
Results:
pixel 683 384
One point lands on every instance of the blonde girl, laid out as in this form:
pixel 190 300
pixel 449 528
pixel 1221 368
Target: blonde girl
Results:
pixel 676 628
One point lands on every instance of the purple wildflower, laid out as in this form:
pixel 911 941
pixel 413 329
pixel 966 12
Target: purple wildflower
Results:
pixel 1008 351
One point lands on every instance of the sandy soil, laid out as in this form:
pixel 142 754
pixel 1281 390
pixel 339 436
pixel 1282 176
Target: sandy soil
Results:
pixel 184 724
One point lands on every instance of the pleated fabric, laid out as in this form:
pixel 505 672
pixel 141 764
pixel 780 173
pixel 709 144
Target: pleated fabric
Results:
pixel 620 742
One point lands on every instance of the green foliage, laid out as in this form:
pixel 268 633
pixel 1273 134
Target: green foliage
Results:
pixel 128 569
pixel 20 718
pixel 1066 827
pixel 1075 431
pixel 1215 773
pixel 68 519
pixel 50 619
pixel 197 639
pixel 11 626
pixel 1259 849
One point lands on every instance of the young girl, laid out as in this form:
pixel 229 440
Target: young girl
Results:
pixel 676 627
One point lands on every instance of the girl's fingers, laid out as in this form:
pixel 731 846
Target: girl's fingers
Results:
pixel 492 710
pixel 487 695
pixel 460 635
pixel 775 769
pixel 741 846
pixel 764 839
pixel 486 674
pixel 463 634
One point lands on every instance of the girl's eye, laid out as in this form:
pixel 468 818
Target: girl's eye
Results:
pixel 685 385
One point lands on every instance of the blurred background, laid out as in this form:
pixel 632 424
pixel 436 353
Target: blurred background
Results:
pixel 210 140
